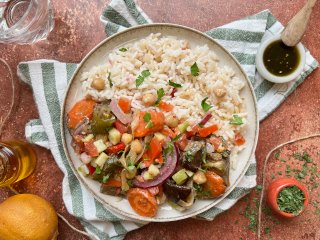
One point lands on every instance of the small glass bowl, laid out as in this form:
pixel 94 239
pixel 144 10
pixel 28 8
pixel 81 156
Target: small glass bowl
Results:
pixel 271 77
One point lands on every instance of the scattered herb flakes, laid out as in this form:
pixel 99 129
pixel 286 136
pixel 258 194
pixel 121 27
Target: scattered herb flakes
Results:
pixel 169 149
pixel 123 49
pixel 147 145
pixel 147 117
pixel 273 176
pixel 160 94
pixel 175 85
pixel 258 188
pixel 205 106
pixel 290 200
pixel 303 157
pixel 110 80
pixel 279 173
pixel 288 171
pixel 283 160
pixel 236 120
pixel 277 154
pixel 140 79
pixel 267 230
pixel 236 222
pixel 194 70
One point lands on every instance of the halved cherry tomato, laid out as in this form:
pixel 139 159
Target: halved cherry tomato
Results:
pixel 239 139
pixel 143 202
pixel 120 127
pixel 91 169
pixel 216 142
pixel 125 105
pixel 205 132
pixel 167 107
pixel 214 184
pixel 91 149
pixel 82 109
pixel 116 148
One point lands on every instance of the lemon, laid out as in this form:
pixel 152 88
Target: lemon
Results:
pixel 27 217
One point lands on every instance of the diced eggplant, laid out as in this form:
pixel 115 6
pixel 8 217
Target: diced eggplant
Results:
pixel 176 192
pixel 110 190
pixel 194 156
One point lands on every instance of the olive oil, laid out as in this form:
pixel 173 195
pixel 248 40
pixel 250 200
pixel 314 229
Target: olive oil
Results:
pixel 17 161
pixel 281 60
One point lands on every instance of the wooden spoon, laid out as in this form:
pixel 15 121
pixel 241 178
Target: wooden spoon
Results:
pixel 296 27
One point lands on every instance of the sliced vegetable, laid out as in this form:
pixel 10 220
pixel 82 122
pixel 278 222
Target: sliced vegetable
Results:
pixel 91 149
pixel 183 126
pixel 205 106
pixel 117 111
pixel 215 141
pixel 100 145
pixel 116 148
pixel 166 107
pixel 239 139
pixel 85 158
pixel 91 169
pixel 100 161
pixel 205 119
pixel 180 177
pixel 194 130
pixel 174 191
pixel 111 187
pixel 143 202
pixel 84 170
pixel 81 110
pixel 174 90
pixel 88 138
pixel 205 132
pixel 157 119
pixel 214 185
pixel 120 127
pixel 102 119
pixel 125 105
pixel 165 172
pixel 114 136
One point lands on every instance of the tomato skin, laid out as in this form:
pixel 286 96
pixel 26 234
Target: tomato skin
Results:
pixel 82 109
pixel 116 148
pixel 142 202
pixel 216 142
pixel 125 105
pixel 205 132
pixel 239 139
pixel 91 149
pixel 120 127
pixel 166 107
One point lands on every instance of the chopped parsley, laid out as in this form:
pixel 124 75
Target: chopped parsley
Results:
pixel 106 178
pixel 236 120
pixel 176 138
pixel 150 124
pixel 160 94
pixel 131 167
pixel 169 149
pixel 147 146
pixel 277 154
pixel 205 106
pixel 147 117
pixel 194 70
pixel 110 81
pixel 291 200
pixel 173 84
pixel 98 170
pixel 123 49
pixel 144 74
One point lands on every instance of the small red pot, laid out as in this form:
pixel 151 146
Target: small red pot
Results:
pixel 274 189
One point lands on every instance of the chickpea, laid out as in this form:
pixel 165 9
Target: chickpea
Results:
pixel 98 84
pixel 136 146
pixel 149 99
pixel 172 121
pixel 220 92
pixel 199 177
pixel 126 138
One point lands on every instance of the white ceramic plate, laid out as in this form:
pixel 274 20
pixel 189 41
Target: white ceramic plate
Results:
pixel 99 55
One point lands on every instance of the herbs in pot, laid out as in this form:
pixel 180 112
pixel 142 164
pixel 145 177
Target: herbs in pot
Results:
pixel 291 200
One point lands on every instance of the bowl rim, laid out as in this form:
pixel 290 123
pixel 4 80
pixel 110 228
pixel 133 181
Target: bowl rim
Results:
pixel 119 211
pixel 277 186
pixel 271 77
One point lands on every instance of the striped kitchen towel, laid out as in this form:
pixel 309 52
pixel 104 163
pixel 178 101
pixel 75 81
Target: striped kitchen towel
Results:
pixel 49 78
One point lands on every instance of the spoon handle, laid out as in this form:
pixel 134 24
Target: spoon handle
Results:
pixel 293 32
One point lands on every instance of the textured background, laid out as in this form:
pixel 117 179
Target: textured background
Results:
pixel 77 30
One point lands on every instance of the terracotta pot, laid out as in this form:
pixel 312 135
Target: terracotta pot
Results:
pixel 274 189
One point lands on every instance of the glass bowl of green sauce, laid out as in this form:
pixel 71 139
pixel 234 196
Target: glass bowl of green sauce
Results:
pixel 279 63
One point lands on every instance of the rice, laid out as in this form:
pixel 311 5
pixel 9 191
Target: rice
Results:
pixel 169 58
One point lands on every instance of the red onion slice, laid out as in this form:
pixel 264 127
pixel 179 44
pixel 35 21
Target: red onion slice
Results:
pixel 124 118
pixel 165 172
pixel 205 119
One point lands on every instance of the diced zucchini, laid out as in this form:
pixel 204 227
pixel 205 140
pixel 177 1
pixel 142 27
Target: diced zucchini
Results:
pixel 183 126
pixel 100 161
pixel 153 170
pixel 100 145
pixel 114 136
pixel 93 162
pixel 189 173
pixel 160 136
pixel 88 138
pixel 180 177
pixel 84 170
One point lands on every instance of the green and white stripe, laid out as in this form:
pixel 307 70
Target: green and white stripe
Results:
pixel 49 78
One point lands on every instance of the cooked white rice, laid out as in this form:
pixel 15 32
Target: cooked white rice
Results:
pixel 168 58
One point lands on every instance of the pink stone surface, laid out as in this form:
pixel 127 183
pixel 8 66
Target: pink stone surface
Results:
pixel 78 30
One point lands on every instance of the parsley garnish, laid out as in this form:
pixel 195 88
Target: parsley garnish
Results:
pixel 236 120
pixel 176 138
pixel 106 178
pixel 131 167
pixel 173 84
pixel 110 81
pixel 98 170
pixel 123 49
pixel 147 146
pixel 290 200
pixel 205 106
pixel 194 70
pixel 147 117
pixel 149 124
pixel 144 74
pixel 169 149
pixel 160 93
